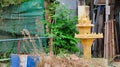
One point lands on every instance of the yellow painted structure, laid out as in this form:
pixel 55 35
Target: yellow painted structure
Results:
pixel 87 38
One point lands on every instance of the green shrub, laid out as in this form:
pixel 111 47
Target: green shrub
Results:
pixel 62 29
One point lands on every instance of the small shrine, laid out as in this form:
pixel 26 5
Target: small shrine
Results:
pixel 87 38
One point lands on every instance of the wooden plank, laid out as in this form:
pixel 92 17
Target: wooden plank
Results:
pixel 113 41
pixel 100 30
pixel 95 51
pixel 105 42
pixel 109 40
pixel 110 48
pixel 116 40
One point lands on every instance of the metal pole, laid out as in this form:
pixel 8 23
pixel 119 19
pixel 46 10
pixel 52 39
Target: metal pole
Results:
pixel 107 15
pixel 5 40
pixel 107 18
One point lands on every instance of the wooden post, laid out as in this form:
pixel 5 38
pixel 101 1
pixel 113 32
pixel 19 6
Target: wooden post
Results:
pixel 116 40
pixel 109 40
pixel 106 47
pixel 113 41
pixel 19 47
pixel 51 49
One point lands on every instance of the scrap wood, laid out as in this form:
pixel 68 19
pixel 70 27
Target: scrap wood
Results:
pixel 116 39
pixel 113 39
pixel 109 45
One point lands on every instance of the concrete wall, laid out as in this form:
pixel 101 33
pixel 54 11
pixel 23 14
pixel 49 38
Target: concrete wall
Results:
pixel 71 4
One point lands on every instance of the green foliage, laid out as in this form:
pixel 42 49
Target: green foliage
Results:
pixel 4 3
pixel 62 30
pixel 52 7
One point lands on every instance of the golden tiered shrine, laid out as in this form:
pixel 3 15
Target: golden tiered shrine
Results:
pixel 84 25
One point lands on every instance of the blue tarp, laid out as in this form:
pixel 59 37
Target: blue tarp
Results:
pixel 31 61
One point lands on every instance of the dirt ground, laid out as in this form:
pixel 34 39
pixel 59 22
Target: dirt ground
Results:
pixel 71 61
pixel 115 64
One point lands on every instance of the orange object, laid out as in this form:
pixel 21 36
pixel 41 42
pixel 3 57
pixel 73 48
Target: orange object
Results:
pixel 87 38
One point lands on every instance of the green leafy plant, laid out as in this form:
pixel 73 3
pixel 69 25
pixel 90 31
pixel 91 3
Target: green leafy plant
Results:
pixel 62 29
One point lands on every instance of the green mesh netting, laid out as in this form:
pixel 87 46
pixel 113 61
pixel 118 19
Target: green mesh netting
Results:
pixel 24 16
pixel 15 18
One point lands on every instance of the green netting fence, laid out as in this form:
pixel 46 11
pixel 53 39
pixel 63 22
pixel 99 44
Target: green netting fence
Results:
pixel 15 18
pixel 26 15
